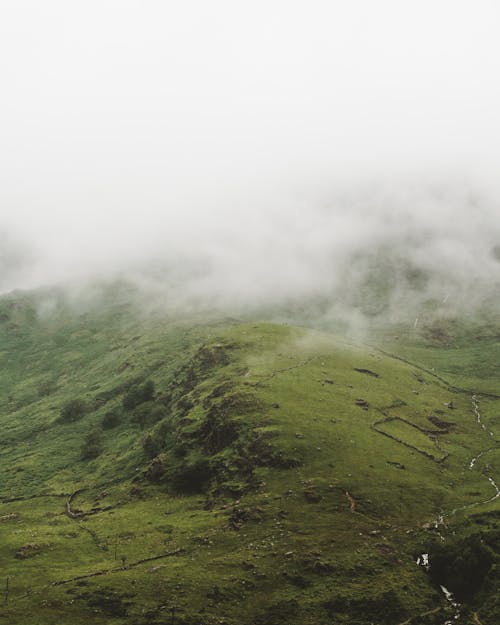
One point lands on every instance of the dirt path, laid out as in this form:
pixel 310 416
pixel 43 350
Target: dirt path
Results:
pixel 352 502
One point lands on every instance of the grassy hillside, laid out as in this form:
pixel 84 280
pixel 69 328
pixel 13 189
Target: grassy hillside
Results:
pixel 172 470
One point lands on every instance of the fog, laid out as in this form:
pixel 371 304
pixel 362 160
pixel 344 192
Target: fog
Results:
pixel 253 153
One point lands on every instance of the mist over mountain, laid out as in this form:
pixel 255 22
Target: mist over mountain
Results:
pixel 253 156
pixel 363 254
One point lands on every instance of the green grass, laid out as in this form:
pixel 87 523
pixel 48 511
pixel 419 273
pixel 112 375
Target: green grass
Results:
pixel 412 436
pixel 297 474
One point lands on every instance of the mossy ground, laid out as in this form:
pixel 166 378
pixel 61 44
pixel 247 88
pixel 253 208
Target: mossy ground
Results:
pixel 296 475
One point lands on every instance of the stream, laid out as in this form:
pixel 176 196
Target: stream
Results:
pixel 423 559
pixel 451 600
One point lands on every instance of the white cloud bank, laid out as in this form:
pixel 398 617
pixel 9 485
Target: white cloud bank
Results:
pixel 265 144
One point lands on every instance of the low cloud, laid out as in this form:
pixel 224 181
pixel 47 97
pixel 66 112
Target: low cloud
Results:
pixel 278 155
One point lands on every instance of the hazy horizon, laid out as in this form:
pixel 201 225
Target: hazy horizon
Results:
pixel 253 151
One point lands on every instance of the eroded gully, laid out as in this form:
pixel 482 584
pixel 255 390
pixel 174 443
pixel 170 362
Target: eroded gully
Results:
pixel 423 559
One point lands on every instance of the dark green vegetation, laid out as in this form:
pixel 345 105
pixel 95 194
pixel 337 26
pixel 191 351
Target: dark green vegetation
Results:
pixel 163 470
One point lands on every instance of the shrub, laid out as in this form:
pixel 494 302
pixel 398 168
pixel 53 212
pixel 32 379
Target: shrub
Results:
pixel 192 477
pixel 47 387
pixel 138 394
pixel 462 566
pixel 148 414
pixel 154 441
pixel 92 446
pixel 157 469
pixel 111 419
pixel 73 410
pixel 151 445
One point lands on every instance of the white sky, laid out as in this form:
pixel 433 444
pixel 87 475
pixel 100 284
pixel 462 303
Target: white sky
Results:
pixel 130 127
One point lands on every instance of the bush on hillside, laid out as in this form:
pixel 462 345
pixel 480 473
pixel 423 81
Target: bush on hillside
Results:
pixel 147 414
pixel 110 420
pixel 73 410
pixel 462 565
pixel 151 445
pixel 192 477
pixel 155 440
pixel 92 446
pixel 138 394
pixel 47 387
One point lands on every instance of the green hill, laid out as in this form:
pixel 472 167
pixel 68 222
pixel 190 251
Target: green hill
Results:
pixel 169 469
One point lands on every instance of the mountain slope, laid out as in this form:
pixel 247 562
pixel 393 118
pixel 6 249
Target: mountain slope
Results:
pixel 233 473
